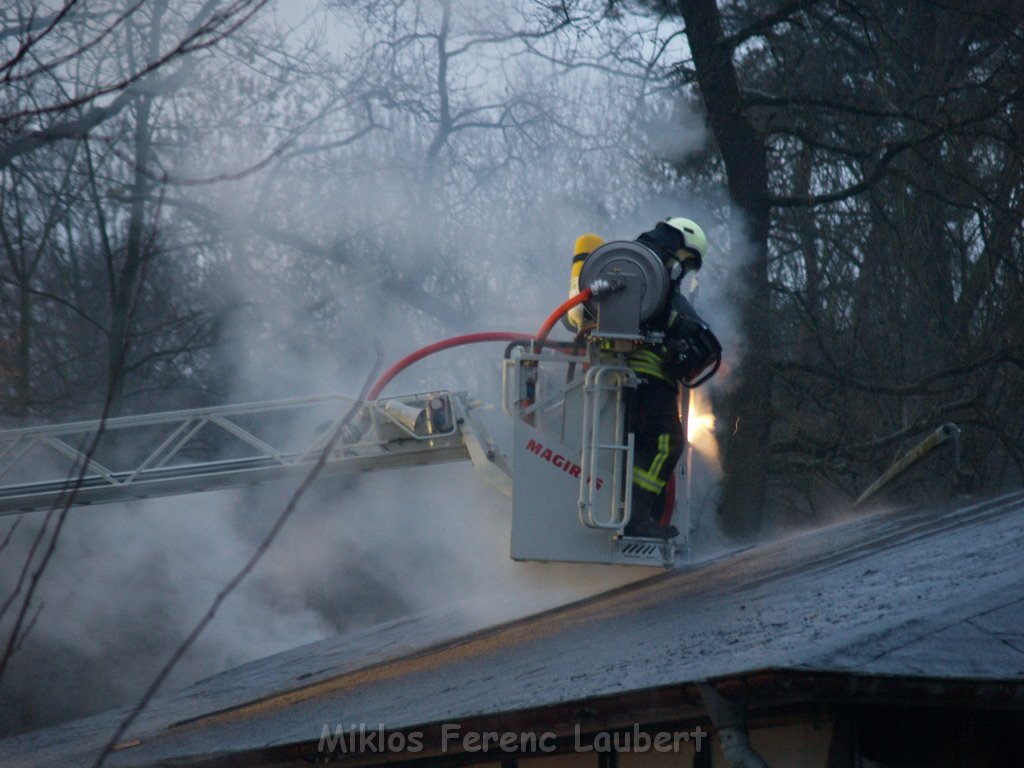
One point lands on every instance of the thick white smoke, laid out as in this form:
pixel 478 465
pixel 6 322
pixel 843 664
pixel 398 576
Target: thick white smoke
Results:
pixel 130 580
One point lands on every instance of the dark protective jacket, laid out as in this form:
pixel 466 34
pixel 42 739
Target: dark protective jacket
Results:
pixel 689 354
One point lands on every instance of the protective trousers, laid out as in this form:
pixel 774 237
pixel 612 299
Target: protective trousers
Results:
pixel 658 444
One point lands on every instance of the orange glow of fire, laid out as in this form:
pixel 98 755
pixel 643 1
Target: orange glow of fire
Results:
pixel 700 426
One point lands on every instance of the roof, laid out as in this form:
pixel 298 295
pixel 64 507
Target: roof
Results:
pixel 932 593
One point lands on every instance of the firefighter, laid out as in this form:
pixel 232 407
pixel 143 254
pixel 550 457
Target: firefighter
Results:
pixel 687 354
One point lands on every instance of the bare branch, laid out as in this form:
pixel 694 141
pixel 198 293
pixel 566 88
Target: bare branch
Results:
pixel 1011 355
pixel 765 24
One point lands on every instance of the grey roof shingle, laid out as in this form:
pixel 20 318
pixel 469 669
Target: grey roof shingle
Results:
pixel 934 592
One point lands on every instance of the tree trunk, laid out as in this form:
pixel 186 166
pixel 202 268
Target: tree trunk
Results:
pixel 126 293
pixel 748 409
pixel 23 358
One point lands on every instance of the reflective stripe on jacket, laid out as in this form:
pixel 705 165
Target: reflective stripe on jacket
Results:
pixel 649 362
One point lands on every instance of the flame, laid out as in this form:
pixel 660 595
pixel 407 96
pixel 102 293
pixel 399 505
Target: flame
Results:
pixel 700 426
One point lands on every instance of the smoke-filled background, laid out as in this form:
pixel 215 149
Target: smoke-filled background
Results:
pixel 212 202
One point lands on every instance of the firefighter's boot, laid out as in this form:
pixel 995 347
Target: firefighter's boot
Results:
pixel 645 519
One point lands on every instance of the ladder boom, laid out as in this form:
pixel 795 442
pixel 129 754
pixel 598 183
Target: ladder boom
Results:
pixel 203 449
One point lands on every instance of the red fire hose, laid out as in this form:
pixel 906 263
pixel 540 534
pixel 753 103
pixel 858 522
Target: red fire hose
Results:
pixel 455 341
pixel 564 307
pixel 476 338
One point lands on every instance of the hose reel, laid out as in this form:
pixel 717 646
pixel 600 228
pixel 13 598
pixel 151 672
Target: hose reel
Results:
pixel 639 288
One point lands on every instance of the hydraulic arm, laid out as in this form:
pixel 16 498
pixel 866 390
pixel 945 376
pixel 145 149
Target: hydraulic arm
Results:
pixel 187 451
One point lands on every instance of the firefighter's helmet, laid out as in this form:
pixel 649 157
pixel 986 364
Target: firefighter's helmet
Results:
pixel 694 239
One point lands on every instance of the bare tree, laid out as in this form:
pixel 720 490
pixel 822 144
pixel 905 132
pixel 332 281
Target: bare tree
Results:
pixel 873 156
pixel 909 168
pixel 40 53
pixel 33 209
